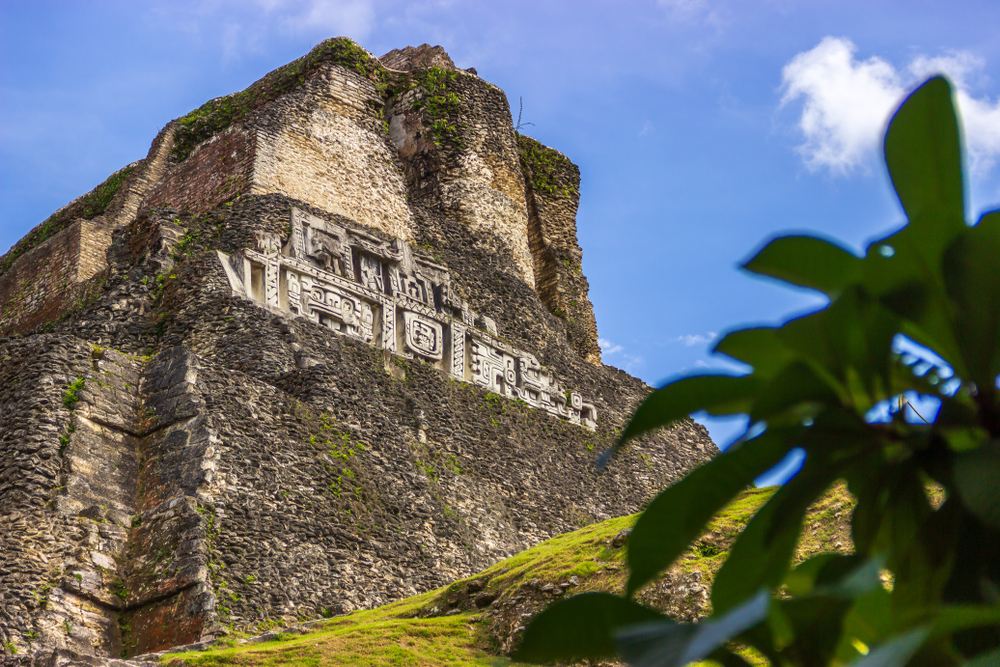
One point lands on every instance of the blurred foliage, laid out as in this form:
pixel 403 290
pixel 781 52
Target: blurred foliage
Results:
pixel 916 319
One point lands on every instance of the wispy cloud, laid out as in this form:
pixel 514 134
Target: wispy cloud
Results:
pixel 344 17
pixel 702 12
pixel 847 103
pixel 243 28
pixel 614 353
pixel 690 340
pixel 607 347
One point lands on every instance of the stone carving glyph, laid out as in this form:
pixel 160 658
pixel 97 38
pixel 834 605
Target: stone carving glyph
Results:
pixel 362 286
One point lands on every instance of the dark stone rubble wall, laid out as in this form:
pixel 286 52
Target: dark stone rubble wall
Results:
pixel 258 467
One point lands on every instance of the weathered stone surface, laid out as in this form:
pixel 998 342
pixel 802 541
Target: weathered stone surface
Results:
pixel 325 364
pixel 417 57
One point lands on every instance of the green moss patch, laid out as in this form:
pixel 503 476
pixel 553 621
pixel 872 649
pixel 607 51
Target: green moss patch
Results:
pixel 451 641
pixel 541 166
pixel 217 115
pixel 440 105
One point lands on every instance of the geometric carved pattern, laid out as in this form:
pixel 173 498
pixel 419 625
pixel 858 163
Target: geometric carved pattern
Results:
pixel 337 277
pixel 424 336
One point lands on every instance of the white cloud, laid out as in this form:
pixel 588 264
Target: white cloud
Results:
pixel 607 347
pixel 848 102
pixel 690 340
pixel 627 362
pixel 248 27
pixel 958 65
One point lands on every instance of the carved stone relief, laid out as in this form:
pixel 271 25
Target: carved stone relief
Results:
pixel 424 336
pixel 375 290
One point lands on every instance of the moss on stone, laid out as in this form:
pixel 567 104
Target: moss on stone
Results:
pixel 541 165
pixel 440 105
pixel 217 115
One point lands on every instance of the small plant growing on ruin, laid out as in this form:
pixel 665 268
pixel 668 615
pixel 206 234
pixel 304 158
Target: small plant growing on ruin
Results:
pixel 118 588
pixel 836 384
pixel 71 397
pixel 439 105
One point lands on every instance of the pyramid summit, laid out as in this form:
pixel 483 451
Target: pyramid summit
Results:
pixel 328 345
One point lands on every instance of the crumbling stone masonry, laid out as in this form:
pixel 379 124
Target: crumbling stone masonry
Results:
pixel 327 346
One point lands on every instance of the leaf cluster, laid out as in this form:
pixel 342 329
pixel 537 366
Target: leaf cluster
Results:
pixel 917 316
pixel 219 114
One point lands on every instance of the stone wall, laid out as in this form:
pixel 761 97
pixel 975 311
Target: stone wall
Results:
pixel 217 171
pixel 110 550
pixel 260 410
pixel 378 156
pixel 326 144
pixel 553 184
pixel 37 542
pixel 39 286
pixel 469 169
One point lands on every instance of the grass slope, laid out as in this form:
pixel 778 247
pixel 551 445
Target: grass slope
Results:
pixel 476 620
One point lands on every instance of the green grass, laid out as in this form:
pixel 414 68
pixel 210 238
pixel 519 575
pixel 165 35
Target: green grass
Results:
pixel 416 631
pixel 366 639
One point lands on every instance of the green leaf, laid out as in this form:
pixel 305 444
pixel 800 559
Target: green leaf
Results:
pixel 973 283
pixel 677 516
pixel 664 644
pixel 802 579
pixel 759 347
pixel 977 476
pixel 807 261
pixel 923 154
pixel 953 618
pixel 761 554
pixel 869 620
pixel 991 659
pixel 924 157
pixel 815 624
pixel 895 652
pixel 580 628
pixel 718 394
pixel 841 579
pixel 848 346
pixel 910 283
pixel 834 575
pixel 796 385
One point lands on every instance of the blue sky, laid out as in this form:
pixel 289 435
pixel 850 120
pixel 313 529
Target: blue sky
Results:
pixel 701 127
